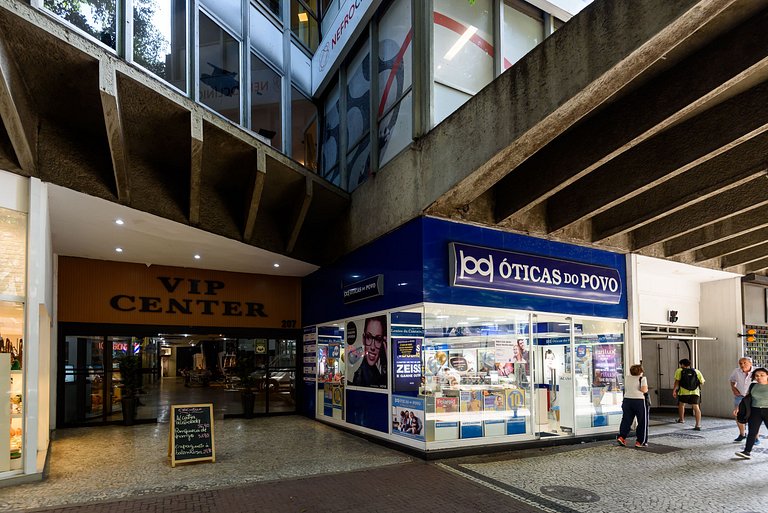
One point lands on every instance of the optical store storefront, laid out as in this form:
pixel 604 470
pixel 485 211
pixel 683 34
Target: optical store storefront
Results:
pixel 447 335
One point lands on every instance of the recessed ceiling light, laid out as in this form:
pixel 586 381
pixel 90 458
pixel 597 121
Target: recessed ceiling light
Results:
pixel 119 221
pixel 275 265
pixel 119 250
pixel 197 257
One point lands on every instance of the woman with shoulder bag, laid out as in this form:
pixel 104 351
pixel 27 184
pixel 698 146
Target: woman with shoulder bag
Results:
pixel 753 409
pixel 635 406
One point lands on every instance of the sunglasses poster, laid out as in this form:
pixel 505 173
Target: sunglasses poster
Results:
pixel 366 352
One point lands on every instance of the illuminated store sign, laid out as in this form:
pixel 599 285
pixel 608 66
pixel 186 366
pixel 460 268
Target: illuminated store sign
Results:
pixel 506 271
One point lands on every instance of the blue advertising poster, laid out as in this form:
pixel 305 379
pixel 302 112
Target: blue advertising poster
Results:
pixel 407 364
pixel 408 417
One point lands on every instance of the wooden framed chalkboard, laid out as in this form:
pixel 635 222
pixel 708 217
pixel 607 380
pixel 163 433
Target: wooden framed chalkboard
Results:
pixel 191 435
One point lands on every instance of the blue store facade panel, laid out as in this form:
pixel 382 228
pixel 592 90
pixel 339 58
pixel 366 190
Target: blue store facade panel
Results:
pixel 443 335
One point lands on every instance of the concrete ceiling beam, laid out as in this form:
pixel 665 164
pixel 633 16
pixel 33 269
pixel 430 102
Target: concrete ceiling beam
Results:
pixel 748 197
pixel 113 121
pixel 727 171
pixel 655 106
pixel 745 256
pixel 756 267
pixel 257 189
pixel 196 165
pixel 301 215
pixel 727 229
pixel 16 111
pixel 669 154
pixel 727 247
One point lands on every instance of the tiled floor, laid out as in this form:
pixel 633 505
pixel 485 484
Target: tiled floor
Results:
pixel 112 462
pixel 295 464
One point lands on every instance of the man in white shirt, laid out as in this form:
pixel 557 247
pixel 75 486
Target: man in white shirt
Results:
pixel 740 379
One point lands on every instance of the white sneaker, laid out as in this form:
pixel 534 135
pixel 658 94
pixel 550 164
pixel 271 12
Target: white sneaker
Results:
pixel 745 455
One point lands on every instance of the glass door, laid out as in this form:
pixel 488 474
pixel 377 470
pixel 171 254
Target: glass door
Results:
pixel 281 376
pixel 599 373
pixel 84 384
pixel 552 349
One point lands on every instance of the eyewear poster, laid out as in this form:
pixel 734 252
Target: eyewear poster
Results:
pixel 366 352
pixel 408 417
pixel 407 364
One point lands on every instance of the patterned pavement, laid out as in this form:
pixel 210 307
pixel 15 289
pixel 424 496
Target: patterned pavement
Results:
pixel 294 464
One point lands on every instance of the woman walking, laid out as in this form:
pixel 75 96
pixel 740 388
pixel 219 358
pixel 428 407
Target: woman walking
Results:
pixel 755 409
pixel 634 406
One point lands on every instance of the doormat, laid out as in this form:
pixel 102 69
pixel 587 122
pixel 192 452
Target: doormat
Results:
pixel 659 449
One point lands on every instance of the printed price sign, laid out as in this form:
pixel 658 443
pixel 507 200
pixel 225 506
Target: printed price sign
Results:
pixel 191 435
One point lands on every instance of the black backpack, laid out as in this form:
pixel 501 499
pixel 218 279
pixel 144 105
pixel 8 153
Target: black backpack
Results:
pixel 689 380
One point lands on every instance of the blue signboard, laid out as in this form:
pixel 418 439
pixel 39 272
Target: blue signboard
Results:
pixel 364 289
pixel 507 271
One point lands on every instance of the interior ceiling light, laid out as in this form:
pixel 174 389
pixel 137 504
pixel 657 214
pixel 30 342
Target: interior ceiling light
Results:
pixel 303 17
pixel 197 257
pixel 275 265
pixel 119 250
pixel 459 44
pixel 119 221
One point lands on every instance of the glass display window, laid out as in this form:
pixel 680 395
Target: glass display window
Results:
pixel 13 265
pixel 331 368
pixel 12 378
pixel 476 373
pixel 13 262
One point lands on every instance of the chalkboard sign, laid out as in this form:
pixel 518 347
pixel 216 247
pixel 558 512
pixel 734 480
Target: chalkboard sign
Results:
pixel 191 435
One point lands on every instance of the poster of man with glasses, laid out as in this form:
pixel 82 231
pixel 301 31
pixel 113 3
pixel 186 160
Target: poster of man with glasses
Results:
pixel 370 342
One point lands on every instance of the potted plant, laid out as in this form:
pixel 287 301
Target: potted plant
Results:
pixel 245 372
pixel 130 367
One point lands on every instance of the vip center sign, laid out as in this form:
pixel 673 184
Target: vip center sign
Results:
pixel 506 271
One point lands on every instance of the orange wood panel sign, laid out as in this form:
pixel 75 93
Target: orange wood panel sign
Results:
pixel 124 293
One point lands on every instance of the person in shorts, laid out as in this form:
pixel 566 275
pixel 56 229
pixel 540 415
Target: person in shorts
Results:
pixel 688 396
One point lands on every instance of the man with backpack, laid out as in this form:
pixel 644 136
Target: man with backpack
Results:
pixel 687 389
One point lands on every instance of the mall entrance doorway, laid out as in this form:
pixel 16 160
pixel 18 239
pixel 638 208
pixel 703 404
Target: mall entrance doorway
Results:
pixel 176 368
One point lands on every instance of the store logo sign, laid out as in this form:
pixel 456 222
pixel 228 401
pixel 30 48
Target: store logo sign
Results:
pixel 364 289
pixel 506 271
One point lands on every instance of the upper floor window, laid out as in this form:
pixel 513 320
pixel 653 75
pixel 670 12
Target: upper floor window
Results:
pixel 97 18
pixel 522 29
pixel 160 39
pixel 463 52
pixel 304 22
pixel 274 6
pixel 219 65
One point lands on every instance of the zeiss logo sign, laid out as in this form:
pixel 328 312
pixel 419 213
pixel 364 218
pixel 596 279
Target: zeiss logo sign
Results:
pixel 506 271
